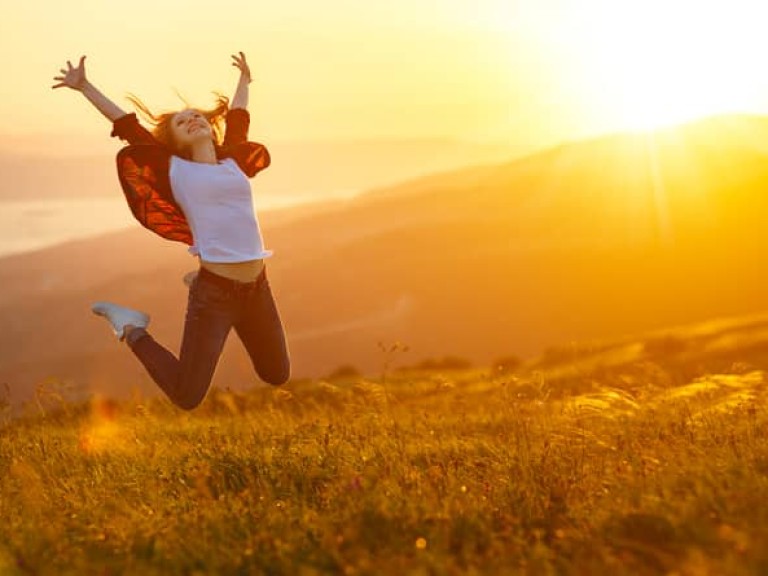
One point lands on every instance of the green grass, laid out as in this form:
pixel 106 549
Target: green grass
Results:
pixel 454 473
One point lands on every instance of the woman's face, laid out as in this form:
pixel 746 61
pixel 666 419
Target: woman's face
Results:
pixel 190 126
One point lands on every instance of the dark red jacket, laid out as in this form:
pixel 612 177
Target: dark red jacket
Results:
pixel 143 168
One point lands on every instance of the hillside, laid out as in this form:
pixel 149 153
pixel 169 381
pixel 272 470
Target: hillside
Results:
pixel 447 472
pixel 622 234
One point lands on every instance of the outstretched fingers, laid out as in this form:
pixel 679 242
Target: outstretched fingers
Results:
pixel 71 76
pixel 239 61
pixel 60 80
pixel 241 64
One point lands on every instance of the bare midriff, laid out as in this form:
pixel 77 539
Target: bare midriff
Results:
pixel 241 271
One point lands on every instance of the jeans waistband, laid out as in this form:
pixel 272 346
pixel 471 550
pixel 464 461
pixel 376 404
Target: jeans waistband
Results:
pixel 206 275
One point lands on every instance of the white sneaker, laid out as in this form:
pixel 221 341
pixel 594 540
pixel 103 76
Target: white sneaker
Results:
pixel 120 317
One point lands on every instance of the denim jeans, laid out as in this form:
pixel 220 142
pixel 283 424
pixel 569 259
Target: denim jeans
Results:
pixel 215 306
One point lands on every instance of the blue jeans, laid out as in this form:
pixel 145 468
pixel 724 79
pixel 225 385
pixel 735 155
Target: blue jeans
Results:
pixel 216 305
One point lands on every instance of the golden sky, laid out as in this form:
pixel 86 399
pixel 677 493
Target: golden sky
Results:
pixel 530 71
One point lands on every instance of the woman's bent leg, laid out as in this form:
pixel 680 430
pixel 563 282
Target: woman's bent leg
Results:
pixel 259 327
pixel 186 380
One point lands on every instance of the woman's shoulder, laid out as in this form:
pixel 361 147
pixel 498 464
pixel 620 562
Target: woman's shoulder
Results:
pixel 129 128
pixel 251 157
pixel 152 161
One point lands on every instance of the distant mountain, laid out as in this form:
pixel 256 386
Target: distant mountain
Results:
pixel 304 170
pixel 594 239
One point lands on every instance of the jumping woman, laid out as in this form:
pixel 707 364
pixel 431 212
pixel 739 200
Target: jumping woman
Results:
pixel 186 183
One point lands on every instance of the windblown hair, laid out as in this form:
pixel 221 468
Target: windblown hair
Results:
pixel 162 122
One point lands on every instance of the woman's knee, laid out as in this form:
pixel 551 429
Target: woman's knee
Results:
pixel 189 401
pixel 277 375
pixel 190 391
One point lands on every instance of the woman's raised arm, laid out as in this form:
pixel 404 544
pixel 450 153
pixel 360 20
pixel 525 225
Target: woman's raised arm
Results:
pixel 240 100
pixel 74 77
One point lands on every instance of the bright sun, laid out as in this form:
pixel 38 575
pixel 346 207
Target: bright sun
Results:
pixel 661 62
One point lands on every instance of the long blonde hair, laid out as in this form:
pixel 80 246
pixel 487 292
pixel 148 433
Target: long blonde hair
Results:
pixel 162 122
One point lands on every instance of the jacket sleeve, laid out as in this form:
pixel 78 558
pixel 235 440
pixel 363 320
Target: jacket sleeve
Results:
pixel 143 172
pixel 128 128
pixel 237 122
pixel 252 157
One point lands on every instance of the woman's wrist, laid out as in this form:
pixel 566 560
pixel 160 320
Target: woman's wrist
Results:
pixel 84 87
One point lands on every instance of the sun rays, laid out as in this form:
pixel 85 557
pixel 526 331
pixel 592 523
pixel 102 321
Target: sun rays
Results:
pixel 646 65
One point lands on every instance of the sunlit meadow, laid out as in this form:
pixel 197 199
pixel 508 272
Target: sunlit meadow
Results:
pixel 646 456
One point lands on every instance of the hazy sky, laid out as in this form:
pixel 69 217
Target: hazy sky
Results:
pixel 527 70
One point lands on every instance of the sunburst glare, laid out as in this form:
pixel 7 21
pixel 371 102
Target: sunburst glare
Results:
pixel 658 63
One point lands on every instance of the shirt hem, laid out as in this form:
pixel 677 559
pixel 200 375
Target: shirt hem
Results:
pixel 232 259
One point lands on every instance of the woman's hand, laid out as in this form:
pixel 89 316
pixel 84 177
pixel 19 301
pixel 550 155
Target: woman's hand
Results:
pixel 242 65
pixel 74 77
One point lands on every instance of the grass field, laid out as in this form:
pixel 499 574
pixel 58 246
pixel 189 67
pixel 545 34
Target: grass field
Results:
pixel 590 461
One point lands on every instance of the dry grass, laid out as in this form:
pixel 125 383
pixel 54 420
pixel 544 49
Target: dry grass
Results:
pixel 456 473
